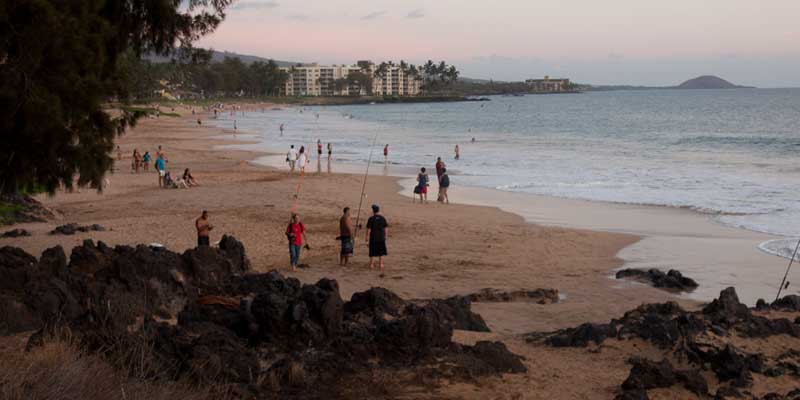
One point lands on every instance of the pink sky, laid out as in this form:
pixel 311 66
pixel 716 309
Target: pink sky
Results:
pixel 754 42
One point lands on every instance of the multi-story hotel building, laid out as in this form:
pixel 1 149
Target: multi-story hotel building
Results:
pixel 549 85
pixel 317 80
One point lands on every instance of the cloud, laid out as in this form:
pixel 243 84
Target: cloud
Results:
pixel 416 13
pixel 254 5
pixel 299 17
pixel 373 15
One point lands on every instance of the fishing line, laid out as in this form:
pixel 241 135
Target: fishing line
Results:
pixel 364 186
pixel 780 288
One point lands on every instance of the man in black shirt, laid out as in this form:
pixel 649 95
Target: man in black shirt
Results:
pixel 377 230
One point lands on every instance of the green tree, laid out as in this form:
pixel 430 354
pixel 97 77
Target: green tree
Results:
pixel 60 62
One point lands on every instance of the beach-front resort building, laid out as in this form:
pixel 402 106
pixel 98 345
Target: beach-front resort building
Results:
pixel 388 79
pixel 549 85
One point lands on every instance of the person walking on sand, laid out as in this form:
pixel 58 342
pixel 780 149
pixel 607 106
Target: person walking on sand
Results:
pixel 291 158
pixel 319 149
pixel 444 183
pixel 295 232
pixel 458 153
pixel 302 159
pixel 377 232
pixel 203 229
pixel 161 169
pixel 422 186
pixel 386 154
pixel 346 237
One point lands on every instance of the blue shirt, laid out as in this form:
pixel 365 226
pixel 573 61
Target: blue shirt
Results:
pixel 160 164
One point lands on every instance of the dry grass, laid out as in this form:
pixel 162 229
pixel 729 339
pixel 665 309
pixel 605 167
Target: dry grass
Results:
pixel 59 370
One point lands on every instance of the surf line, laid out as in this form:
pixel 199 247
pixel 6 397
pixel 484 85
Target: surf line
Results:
pixel 364 187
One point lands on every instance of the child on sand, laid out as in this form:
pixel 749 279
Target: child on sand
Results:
pixel 422 186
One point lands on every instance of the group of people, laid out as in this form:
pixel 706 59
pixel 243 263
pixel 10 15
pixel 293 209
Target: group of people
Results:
pixel 421 189
pixel 139 162
pixel 299 159
pixel 376 234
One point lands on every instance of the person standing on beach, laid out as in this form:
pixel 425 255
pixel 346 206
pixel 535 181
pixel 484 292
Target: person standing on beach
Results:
pixel 330 150
pixel 458 153
pixel 146 161
pixel 319 149
pixel 346 237
pixel 160 153
pixel 161 169
pixel 281 128
pixel 377 232
pixel 291 158
pixel 444 183
pixel 295 232
pixel 386 154
pixel 203 229
pixel 234 124
pixel 422 186
pixel 440 167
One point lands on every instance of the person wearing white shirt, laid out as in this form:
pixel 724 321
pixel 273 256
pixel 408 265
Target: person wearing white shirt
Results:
pixel 291 157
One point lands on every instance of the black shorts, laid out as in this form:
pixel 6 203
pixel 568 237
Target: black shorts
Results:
pixel 202 241
pixel 377 249
pixel 347 246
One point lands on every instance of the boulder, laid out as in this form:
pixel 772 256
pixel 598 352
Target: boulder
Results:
pixel 673 279
pixel 540 296
pixel 582 335
pixel 457 311
pixel 14 233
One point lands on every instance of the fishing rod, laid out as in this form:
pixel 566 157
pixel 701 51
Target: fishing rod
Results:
pixel 364 186
pixel 787 271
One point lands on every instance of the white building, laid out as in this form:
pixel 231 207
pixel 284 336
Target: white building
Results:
pixel 317 80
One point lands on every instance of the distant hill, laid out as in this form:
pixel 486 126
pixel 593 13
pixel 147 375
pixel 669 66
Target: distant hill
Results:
pixel 218 56
pixel 708 82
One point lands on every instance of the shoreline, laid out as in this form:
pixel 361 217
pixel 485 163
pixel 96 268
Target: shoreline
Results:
pixel 435 251
pixel 715 254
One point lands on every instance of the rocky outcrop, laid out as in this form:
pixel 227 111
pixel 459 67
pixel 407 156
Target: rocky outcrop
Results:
pixel 204 319
pixel 672 280
pixel 697 337
pixel 646 374
pixel 540 296
pixel 73 228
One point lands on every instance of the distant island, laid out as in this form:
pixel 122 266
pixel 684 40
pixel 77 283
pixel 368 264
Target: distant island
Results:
pixel 709 82
pixel 701 82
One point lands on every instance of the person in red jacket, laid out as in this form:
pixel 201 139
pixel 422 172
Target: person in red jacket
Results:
pixel 295 232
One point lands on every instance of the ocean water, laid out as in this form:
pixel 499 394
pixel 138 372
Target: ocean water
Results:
pixel 733 154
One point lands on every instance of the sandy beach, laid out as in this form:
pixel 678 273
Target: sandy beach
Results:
pixel 435 250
